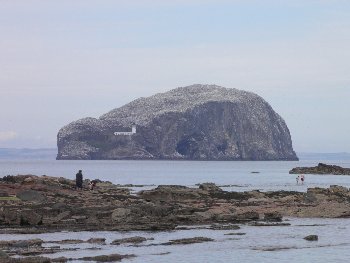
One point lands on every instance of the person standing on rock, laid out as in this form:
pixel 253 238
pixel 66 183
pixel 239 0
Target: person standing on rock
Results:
pixel 79 180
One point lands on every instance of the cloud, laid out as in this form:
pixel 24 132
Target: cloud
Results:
pixel 7 135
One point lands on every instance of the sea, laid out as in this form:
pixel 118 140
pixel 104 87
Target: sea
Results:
pixel 258 244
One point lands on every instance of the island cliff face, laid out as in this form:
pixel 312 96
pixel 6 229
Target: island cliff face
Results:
pixel 198 122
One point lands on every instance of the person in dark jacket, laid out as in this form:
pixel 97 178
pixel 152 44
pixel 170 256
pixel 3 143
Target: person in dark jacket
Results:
pixel 79 180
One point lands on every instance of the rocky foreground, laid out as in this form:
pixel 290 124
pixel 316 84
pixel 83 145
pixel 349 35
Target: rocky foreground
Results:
pixel 321 168
pixel 32 204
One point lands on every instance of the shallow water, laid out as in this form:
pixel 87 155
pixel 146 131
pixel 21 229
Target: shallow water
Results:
pixel 286 242
pixel 260 244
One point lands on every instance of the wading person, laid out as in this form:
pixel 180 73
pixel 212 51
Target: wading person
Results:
pixel 297 179
pixel 302 178
pixel 79 180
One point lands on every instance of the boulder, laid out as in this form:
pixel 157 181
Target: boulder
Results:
pixel 311 238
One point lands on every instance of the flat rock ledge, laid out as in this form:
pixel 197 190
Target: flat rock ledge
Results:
pixel 321 168
pixel 52 204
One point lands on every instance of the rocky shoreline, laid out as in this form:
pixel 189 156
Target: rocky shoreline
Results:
pixel 321 168
pixel 33 204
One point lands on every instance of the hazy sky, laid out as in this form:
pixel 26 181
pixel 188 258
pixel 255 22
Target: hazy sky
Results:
pixel 64 60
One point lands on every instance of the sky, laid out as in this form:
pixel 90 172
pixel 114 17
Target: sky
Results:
pixel 64 60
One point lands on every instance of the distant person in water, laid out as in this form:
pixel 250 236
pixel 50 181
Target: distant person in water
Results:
pixel 297 179
pixel 302 178
pixel 79 180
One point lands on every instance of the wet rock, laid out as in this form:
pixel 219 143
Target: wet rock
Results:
pixel 161 254
pixel 273 216
pixel 224 227
pixel 248 216
pixel 134 240
pixel 28 243
pixel 269 224
pixel 68 241
pixel 235 234
pixel 210 187
pixel 107 258
pixel 97 241
pixel 226 217
pixel 29 260
pixel 311 238
pixel 59 260
pixel 21 243
pixel 29 217
pixel 321 168
pixel 187 241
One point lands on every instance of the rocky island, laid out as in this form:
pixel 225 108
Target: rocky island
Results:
pixel 198 122
pixel 321 168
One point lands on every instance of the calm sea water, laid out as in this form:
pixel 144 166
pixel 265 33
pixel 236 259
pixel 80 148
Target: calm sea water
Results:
pixel 282 244
pixel 231 176
pixel 260 244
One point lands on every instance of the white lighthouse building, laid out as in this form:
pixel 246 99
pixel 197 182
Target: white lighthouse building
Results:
pixel 133 131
